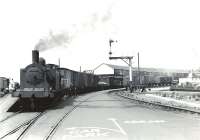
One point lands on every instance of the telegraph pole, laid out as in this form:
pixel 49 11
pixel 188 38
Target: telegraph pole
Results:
pixel 138 67
pixel 130 68
pixel 124 58
pixel 59 62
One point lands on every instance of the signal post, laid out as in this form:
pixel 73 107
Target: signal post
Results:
pixel 127 60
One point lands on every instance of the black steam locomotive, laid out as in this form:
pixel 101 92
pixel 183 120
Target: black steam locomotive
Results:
pixel 41 82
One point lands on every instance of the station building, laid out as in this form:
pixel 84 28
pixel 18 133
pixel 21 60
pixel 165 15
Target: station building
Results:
pixel 114 75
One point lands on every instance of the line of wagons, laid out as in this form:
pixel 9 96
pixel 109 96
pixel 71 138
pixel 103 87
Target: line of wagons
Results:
pixel 77 82
pixel 151 82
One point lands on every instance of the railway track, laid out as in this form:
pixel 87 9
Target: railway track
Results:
pixel 25 127
pixel 31 122
pixel 26 123
pixel 54 128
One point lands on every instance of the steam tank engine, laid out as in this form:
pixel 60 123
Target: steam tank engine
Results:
pixel 39 80
pixel 41 83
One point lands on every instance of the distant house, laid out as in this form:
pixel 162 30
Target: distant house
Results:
pixel 104 69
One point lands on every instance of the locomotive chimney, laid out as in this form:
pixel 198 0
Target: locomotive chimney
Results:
pixel 35 56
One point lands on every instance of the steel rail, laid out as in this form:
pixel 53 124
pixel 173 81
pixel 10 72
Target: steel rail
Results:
pixel 55 127
pixel 19 127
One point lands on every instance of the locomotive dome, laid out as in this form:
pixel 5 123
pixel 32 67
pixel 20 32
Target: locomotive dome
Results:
pixel 42 61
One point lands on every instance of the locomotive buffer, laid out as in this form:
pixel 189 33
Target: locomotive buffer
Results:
pixel 125 59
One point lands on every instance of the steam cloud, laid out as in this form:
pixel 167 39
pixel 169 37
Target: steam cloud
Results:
pixel 63 39
pixel 53 40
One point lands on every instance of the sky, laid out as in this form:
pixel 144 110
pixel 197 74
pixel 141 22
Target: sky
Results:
pixel 165 33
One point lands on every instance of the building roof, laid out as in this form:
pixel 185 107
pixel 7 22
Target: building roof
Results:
pixel 144 69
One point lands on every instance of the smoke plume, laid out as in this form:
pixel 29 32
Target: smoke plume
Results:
pixel 91 23
pixel 53 40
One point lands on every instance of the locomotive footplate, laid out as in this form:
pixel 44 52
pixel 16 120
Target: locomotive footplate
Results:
pixel 33 92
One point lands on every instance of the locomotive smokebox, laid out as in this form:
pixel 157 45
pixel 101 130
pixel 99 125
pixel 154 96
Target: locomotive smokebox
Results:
pixel 35 56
